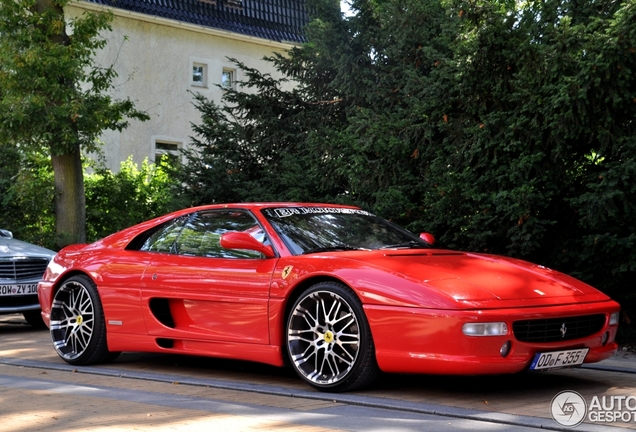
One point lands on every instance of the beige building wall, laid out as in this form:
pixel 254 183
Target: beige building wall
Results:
pixel 154 59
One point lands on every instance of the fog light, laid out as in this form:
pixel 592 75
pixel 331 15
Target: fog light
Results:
pixel 505 349
pixel 605 338
pixel 614 318
pixel 485 329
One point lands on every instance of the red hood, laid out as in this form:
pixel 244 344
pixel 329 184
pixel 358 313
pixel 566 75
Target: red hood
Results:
pixel 478 280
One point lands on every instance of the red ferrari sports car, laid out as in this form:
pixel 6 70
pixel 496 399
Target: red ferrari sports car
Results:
pixel 335 291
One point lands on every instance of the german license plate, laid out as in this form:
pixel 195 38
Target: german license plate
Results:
pixel 558 359
pixel 18 290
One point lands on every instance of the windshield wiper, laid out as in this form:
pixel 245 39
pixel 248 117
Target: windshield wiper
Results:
pixel 411 244
pixel 332 249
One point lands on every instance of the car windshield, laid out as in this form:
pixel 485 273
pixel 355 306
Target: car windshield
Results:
pixel 321 229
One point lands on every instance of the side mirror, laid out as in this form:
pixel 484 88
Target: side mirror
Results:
pixel 6 233
pixel 428 238
pixel 242 240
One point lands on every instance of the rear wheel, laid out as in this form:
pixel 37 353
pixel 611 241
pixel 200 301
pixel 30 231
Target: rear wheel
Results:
pixel 328 339
pixel 77 326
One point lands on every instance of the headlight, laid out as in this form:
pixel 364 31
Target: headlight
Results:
pixel 485 329
pixel 614 318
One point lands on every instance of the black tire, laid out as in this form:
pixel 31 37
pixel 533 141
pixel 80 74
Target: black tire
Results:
pixel 328 339
pixel 78 329
pixel 34 319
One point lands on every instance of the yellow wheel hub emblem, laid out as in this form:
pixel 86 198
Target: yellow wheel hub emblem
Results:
pixel 328 337
pixel 79 320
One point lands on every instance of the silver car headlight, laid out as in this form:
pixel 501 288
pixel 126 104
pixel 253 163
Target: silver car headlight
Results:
pixel 485 329
pixel 614 318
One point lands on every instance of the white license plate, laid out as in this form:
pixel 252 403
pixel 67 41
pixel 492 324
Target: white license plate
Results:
pixel 19 289
pixel 558 359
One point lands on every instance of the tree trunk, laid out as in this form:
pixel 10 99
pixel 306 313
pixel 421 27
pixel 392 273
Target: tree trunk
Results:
pixel 70 201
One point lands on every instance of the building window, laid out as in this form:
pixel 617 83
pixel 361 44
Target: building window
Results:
pixel 234 4
pixel 166 151
pixel 228 78
pixel 200 74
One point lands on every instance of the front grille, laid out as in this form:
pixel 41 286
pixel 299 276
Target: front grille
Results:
pixel 557 329
pixel 22 269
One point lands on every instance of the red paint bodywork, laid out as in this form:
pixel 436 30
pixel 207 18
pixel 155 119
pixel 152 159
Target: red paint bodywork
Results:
pixel 416 301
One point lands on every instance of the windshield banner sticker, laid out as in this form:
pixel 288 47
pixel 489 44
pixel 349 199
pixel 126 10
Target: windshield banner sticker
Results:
pixel 290 211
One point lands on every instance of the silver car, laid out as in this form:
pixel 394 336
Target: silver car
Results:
pixel 22 266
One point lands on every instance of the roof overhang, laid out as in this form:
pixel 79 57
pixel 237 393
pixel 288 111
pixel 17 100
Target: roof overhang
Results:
pixel 182 25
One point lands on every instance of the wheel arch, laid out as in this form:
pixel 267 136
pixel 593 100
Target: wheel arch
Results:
pixel 46 300
pixel 299 288
pixel 66 276
pixel 295 292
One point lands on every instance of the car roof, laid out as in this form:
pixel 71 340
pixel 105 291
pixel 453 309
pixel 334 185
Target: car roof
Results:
pixel 259 205
pixel 121 238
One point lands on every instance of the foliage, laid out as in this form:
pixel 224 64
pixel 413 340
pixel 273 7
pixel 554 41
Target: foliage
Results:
pixel 10 157
pixel 118 200
pixel 500 126
pixel 224 165
pixel 53 99
pixel 113 200
pixel 538 157
pixel 26 191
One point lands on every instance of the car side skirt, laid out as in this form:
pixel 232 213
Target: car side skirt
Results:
pixel 267 354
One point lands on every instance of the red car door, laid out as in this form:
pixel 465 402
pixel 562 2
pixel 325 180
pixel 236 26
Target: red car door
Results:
pixel 199 290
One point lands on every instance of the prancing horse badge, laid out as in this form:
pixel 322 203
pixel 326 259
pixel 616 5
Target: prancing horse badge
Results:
pixel 286 271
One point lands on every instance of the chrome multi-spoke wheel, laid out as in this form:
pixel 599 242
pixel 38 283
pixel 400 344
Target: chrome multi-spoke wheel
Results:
pixel 77 322
pixel 328 340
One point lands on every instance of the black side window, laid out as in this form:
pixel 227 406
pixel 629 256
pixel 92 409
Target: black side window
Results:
pixel 201 234
pixel 160 239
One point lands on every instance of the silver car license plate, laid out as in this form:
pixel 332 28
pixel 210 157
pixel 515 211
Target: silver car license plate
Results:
pixel 18 289
pixel 558 359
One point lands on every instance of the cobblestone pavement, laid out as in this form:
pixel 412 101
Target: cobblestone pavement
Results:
pixel 38 391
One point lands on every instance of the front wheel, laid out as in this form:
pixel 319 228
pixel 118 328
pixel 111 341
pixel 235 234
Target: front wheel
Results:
pixel 77 326
pixel 328 339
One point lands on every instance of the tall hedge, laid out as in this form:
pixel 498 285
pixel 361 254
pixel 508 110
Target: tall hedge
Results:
pixel 499 126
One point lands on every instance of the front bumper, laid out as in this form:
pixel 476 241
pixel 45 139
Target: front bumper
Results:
pixel 429 341
pixel 18 304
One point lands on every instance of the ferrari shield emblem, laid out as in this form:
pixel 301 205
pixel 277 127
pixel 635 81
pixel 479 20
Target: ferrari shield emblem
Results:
pixel 286 271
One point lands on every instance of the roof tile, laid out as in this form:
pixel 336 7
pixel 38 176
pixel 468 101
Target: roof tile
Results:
pixel 277 20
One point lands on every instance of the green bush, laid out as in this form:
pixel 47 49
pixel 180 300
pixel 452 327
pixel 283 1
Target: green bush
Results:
pixel 118 200
pixel 26 191
pixel 113 200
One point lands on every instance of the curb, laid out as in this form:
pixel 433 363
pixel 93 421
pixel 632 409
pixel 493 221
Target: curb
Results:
pixel 349 399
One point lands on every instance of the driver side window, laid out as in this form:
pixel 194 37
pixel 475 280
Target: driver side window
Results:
pixel 201 234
